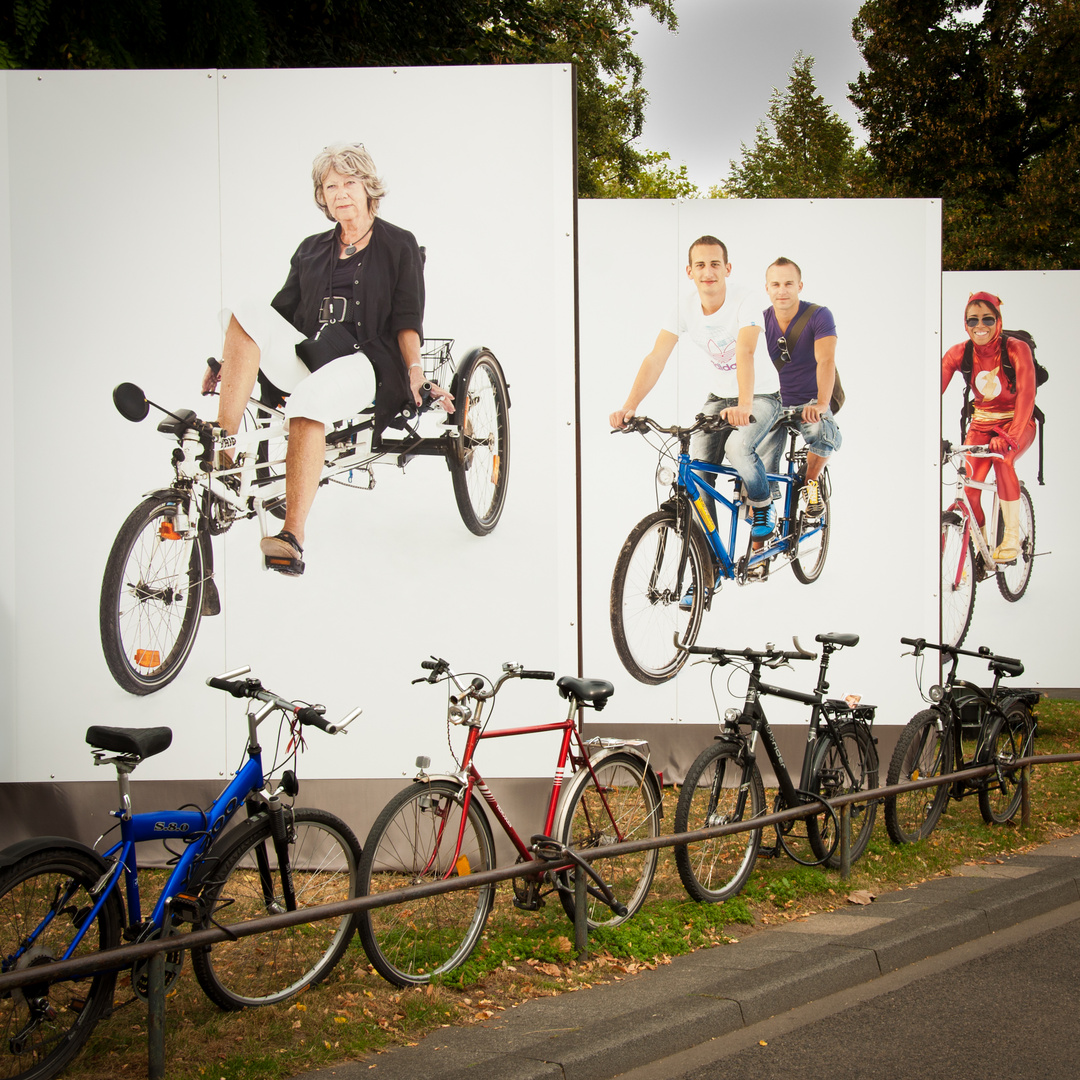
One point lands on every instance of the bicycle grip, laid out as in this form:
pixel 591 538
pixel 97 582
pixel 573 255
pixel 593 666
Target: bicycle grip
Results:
pixel 309 714
pixel 917 643
pixel 431 665
pixel 237 689
pixel 549 675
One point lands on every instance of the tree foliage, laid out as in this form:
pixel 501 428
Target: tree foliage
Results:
pixel 980 107
pixel 594 35
pixel 803 150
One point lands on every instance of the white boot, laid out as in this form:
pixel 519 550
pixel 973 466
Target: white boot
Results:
pixel 1009 548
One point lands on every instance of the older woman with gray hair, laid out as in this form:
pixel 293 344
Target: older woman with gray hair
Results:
pixel 352 310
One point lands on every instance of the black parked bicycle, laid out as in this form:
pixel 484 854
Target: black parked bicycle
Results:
pixel 965 726
pixel 724 783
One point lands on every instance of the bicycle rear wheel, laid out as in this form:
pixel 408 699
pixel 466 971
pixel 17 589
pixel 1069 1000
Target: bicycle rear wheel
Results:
pixel 1013 580
pixel 414 841
pixel 43 1025
pixel 1012 736
pixel 622 805
pixel 324 858
pixel 481 471
pixel 813 539
pixel 151 597
pixel 957 580
pixel 924 749
pixel 714 870
pixel 648 592
pixel 830 777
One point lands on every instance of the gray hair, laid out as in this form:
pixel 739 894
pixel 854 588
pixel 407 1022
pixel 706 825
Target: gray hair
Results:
pixel 349 159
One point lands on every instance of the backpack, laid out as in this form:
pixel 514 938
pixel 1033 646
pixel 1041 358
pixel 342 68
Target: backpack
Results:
pixel 1009 371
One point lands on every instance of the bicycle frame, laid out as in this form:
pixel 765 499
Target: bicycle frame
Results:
pixel 472 780
pixel 962 505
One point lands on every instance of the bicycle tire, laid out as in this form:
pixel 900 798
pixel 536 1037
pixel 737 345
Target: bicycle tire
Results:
pixel 1013 580
pixel 69 1010
pixel 829 779
pixel 1011 736
pixel 151 597
pixel 715 870
pixel 413 842
pixel 807 565
pixel 921 751
pixel 645 612
pixel 324 858
pixel 957 596
pixel 480 462
pixel 625 807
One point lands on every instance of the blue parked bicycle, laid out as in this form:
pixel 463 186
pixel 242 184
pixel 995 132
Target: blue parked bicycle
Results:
pixel 677 559
pixel 60 899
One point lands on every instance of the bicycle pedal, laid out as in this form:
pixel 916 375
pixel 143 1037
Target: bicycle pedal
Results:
pixel 528 903
pixel 186 908
pixel 284 565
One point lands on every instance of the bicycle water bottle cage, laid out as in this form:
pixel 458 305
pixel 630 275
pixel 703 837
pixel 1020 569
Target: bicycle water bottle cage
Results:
pixel 594 692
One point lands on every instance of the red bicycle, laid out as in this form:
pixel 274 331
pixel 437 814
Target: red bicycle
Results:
pixel 437 829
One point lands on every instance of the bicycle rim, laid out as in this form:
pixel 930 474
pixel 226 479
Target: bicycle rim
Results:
pixel 1013 580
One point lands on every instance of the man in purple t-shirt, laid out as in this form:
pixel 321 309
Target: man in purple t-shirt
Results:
pixel 807 374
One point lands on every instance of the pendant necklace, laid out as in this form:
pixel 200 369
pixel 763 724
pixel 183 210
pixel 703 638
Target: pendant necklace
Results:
pixel 352 248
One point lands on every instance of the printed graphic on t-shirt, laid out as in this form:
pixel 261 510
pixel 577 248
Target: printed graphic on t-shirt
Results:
pixel 988 384
pixel 722 356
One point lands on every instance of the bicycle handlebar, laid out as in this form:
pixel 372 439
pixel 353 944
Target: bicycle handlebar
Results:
pixel 769 654
pixel 641 424
pixel 307 715
pixel 1010 664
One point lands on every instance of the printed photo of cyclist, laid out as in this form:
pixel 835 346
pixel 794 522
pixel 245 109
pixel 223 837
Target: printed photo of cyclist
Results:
pixel 184 193
pixel 999 381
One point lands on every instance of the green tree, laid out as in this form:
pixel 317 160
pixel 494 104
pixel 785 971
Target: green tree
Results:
pixel 978 106
pixel 594 35
pixel 803 150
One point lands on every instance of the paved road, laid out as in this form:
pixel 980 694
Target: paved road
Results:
pixel 1007 1004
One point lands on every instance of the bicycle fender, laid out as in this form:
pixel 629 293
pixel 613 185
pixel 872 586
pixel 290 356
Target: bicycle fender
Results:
pixel 633 751
pixel 11 855
pixel 472 354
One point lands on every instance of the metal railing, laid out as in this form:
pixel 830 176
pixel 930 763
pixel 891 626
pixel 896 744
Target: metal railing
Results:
pixel 125 956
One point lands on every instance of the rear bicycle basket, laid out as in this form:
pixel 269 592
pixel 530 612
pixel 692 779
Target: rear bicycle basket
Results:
pixel 438 361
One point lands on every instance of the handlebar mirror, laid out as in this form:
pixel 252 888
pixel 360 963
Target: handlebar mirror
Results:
pixel 130 402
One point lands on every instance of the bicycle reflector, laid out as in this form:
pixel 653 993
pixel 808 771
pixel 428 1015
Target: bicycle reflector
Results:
pixel 147 658
pixel 936 692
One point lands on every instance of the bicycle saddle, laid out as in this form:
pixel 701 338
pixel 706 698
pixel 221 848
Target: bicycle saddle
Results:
pixel 838 639
pixel 1006 665
pixel 594 692
pixel 142 742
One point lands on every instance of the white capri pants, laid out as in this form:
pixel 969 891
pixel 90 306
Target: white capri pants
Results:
pixel 336 391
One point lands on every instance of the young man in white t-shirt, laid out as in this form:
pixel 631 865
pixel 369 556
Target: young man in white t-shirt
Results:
pixel 722 326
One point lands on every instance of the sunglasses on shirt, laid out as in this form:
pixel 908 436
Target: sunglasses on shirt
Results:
pixel 986 320
pixel 784 354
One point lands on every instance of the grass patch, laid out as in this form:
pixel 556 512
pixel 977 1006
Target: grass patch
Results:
pixel 530 954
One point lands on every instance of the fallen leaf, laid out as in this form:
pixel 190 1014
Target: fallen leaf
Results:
pixel 861 896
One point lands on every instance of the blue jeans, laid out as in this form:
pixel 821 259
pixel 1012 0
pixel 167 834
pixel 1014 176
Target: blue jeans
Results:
pixel 821 438
pixel 739 444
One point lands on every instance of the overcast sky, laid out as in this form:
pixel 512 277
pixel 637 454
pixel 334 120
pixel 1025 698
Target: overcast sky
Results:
pixel 709 83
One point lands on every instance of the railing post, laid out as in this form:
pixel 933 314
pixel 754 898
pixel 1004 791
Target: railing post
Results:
pixel 845 841
pixel 1025 796
pixel 155 1027
pixel 581 914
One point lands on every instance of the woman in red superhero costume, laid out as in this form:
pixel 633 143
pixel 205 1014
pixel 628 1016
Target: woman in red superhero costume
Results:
pixel 1002 413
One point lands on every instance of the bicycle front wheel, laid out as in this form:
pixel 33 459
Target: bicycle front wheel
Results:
pixel 622 804
pixel 481 465
pixel 1011 736
pixel 813 538
pixel 43 897
pixel 414 841
pixel 924 749
pixel 1013 580
pixel 957 580
pixel 843 766
pixel 249 882
pixel 658 597
pixel 713 794
pixel 151 597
